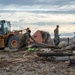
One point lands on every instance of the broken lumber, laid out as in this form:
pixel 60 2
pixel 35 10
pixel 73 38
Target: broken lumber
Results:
pixel 39 45
pixel 54 54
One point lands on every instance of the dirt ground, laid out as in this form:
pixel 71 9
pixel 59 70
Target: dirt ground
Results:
pixel 28 63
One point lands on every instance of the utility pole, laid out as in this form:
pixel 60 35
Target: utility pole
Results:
pixel 68 41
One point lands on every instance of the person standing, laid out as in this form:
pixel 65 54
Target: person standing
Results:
pixel 56 35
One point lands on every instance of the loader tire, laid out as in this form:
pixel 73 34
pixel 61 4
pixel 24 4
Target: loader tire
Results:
pixel 13 42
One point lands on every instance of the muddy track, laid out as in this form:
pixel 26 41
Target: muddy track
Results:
pixel 28 63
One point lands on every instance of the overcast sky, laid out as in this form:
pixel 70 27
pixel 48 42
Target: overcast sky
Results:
pixel 41 5
pixel 40 14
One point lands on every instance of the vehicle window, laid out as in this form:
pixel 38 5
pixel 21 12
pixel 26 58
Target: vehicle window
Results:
pixel 0 25
pixel 5 25
pixel 9 26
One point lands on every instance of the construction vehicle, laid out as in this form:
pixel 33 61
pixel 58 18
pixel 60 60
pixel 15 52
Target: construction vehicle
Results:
pixel 8 38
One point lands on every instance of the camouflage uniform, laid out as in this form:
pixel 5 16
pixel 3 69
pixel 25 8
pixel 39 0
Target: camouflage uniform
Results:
pixel 56 36
pixel 25 39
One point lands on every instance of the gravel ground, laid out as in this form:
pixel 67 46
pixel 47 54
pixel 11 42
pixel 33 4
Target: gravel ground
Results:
pixel 25 63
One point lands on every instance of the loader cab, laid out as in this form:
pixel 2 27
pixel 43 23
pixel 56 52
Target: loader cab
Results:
pixel 5 27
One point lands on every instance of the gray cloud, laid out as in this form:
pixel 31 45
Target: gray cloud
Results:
pixel 38 12
pixel 53 6
pixel 36 2
pixel 55 12
pixel 21 2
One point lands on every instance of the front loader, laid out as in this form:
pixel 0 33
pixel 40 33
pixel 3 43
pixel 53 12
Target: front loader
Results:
pixel 9 38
